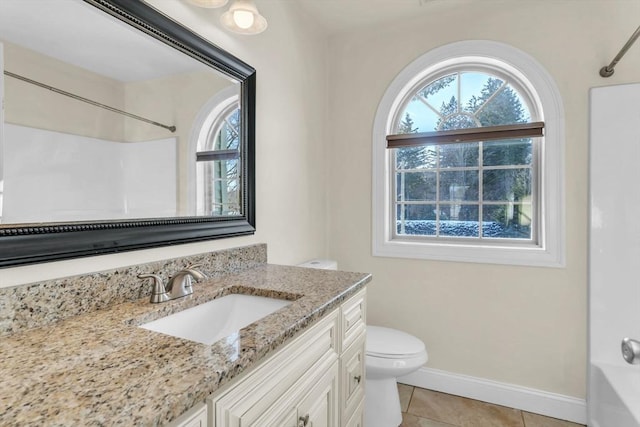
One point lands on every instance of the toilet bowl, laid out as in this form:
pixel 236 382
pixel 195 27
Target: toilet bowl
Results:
pixel 389 354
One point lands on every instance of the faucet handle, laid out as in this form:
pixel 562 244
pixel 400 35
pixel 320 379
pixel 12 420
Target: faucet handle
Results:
pixel 197 274
pixel 159 293
pixel 192 273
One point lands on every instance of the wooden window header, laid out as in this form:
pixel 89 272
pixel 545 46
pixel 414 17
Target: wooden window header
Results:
pixel 519 130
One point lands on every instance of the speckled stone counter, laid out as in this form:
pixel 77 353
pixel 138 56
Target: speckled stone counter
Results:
pixel 100 368
pixel 38 304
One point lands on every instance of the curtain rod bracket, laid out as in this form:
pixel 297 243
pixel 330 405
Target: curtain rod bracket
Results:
pixel 607 70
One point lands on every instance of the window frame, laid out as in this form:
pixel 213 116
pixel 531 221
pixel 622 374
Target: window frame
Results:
pixel 524 74
pixel 205 185
pixel 206 122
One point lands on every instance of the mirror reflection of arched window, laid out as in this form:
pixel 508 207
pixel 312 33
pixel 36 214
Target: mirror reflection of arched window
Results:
pixel 218 159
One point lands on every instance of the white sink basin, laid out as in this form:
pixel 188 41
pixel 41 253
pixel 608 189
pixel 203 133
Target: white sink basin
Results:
pixel 209 322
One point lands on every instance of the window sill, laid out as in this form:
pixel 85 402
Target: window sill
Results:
pixel 533 256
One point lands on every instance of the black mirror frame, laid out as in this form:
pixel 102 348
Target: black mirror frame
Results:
pixel 33 243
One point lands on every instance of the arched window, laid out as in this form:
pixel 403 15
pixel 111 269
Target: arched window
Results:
pixel 462 166
pixel 218 157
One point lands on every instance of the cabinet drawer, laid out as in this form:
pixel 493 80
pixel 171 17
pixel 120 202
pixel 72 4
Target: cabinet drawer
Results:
pixel 353 318
pixel 353 377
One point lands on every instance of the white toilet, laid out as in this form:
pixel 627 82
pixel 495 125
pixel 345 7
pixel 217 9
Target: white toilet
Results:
pixel 389 354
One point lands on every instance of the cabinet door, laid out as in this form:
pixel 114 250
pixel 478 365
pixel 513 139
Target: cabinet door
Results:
pixel 196 417
pixel 319 408
pixel 288 419
pixel 357 419
pixel 264 389
pixel 352 377
pixel 283 413
pixel 312 402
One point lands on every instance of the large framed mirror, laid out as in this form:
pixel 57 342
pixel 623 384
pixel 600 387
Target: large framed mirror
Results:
pixel 121 130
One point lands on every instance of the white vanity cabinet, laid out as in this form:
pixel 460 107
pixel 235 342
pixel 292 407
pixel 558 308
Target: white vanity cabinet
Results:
pixel 317 380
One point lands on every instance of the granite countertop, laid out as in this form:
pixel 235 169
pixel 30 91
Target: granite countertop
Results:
pixel 99 368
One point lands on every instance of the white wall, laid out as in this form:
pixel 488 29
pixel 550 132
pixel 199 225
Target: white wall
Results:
pixel 519 325
pixel 290 58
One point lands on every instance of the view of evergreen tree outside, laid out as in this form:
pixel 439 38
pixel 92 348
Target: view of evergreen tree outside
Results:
pixel 479 189
pixel 221 189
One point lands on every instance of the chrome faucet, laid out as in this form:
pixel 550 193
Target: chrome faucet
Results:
pixel 180 285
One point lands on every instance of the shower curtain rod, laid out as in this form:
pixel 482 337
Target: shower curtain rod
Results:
pixel 88 101
pixel 607 70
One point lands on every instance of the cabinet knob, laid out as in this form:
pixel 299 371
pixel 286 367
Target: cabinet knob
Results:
pixel 357 378
pixel 303 421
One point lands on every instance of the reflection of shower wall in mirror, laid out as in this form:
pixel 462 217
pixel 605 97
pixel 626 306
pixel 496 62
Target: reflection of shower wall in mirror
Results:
pixel 150 178
pixel 110 179
pixel 171 99
pixel 174 99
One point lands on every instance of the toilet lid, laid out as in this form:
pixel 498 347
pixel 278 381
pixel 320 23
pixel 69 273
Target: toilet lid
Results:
pixel 391 343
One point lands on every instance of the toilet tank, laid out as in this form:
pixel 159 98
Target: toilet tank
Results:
pixel 322 264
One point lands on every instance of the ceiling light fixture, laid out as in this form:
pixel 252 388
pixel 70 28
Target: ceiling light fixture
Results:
pixel 211 4
pixel 243 18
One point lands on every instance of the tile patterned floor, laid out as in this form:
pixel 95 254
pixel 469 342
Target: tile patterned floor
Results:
pixel 426 408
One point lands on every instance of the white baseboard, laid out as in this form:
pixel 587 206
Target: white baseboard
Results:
pixel 514 396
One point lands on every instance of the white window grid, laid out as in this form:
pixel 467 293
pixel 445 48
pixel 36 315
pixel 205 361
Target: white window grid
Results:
pixel 438 202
